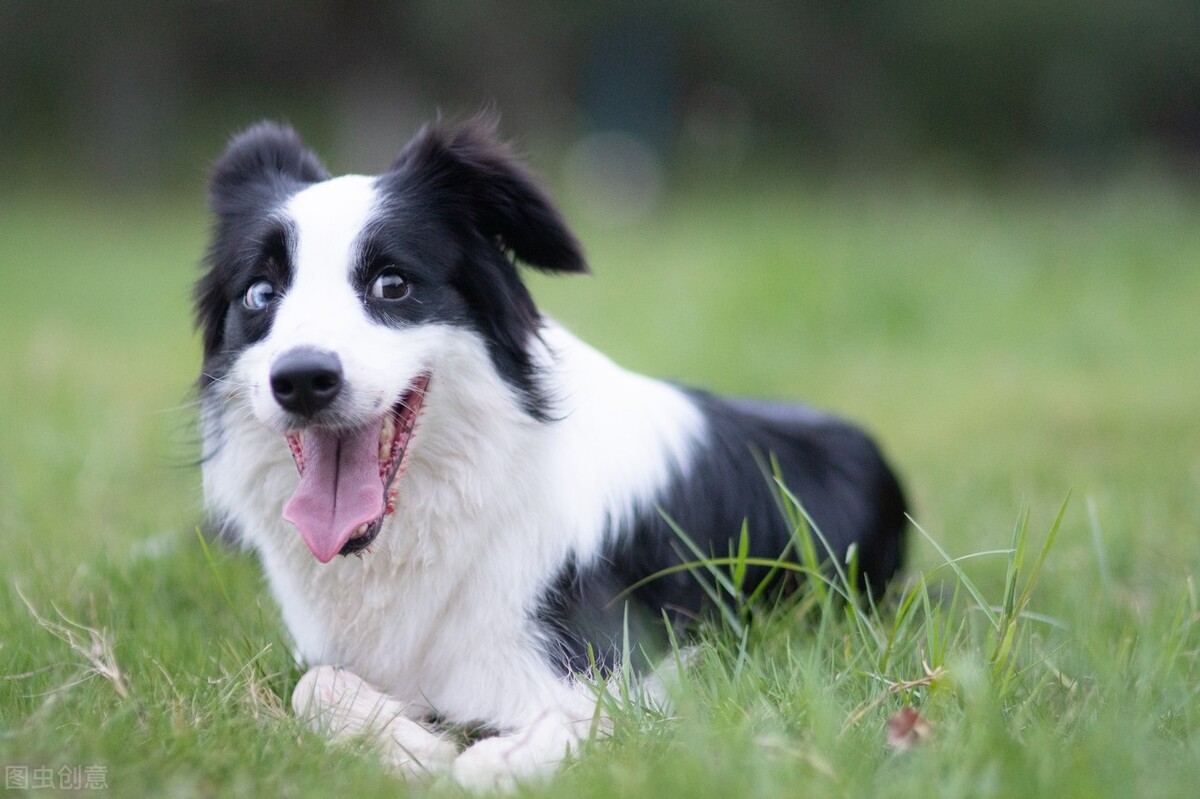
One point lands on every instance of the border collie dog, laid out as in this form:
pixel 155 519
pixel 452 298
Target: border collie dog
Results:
pixel 378 383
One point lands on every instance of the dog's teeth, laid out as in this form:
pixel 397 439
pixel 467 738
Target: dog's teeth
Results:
pixel 387 434
pixel 360 531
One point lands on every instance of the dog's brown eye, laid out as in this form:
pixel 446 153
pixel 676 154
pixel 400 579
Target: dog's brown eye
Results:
pixel 390 285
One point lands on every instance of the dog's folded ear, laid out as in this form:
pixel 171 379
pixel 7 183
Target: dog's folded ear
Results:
pixel 261 162
pixel 503 200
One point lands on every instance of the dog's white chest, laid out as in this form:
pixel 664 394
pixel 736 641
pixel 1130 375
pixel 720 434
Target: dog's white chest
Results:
pixel 451 635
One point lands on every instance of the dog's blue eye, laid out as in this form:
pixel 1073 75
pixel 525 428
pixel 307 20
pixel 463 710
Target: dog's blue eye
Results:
pixel 390 285
pixel 259 295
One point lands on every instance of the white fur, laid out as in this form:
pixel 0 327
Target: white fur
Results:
pixel 344 707
pixel 437 616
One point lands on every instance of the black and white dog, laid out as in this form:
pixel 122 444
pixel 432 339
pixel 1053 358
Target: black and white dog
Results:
pixel 378 382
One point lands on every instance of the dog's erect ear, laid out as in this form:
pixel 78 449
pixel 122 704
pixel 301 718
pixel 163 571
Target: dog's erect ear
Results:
pixel 261 162
pixel 486 180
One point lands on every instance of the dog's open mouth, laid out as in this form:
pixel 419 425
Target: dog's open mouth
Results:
pixel 349 477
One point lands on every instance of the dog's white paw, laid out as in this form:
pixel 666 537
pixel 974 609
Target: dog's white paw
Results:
pixel 497 764
pixel 344 706
pixel 533 753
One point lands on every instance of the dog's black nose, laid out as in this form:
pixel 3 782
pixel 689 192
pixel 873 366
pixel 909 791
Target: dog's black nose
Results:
pixel 306 380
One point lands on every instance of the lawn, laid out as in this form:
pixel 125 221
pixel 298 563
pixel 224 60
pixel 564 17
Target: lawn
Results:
pixel 1014 348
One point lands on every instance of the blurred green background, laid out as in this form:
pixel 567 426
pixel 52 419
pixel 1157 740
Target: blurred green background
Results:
pixel 988 204
pixel 972 227
pixel 140 94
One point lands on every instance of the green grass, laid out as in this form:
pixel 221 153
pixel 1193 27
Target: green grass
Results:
pixel 1010 347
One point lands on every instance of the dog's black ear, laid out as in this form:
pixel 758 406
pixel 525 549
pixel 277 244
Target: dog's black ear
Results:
pixel 263 161
pixel 261 165
pixel 486 180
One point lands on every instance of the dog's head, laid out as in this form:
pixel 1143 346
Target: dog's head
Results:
pixel 328 304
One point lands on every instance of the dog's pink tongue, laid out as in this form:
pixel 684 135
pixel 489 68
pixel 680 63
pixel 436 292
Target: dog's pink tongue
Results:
pixel 339 490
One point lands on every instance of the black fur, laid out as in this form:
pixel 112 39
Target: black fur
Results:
pixel 832 467
pixel 464 187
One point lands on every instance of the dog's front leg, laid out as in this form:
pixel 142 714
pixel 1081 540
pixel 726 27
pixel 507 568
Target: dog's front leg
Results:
pixel 344 706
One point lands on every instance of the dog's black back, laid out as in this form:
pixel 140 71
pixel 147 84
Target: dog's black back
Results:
pixel 833 468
